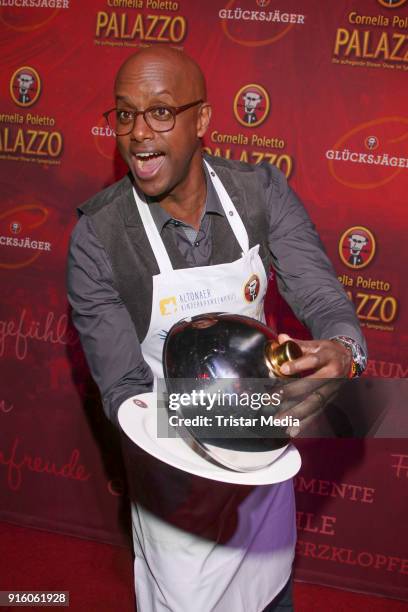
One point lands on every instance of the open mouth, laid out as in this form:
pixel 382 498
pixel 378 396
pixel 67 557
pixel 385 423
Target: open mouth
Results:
pixel 147 164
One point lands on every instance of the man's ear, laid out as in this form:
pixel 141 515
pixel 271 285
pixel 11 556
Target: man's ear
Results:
pixel 203 119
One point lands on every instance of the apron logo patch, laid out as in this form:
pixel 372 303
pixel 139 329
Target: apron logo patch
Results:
pixel 251 288
pixel 168 306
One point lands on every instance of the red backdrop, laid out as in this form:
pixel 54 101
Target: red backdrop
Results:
pixel 331 113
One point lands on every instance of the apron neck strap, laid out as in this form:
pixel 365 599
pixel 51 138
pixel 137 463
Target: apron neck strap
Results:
pixel 153 234
pixel 230 211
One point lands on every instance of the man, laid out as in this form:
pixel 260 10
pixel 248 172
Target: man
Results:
pixel 178 224
pixel 357 244
pixel 252 99
pixel 25 83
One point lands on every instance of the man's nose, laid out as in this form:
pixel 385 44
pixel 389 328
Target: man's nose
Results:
pixel 141 131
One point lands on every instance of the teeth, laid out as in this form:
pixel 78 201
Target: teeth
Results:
pixel 145 155
pixel 143 158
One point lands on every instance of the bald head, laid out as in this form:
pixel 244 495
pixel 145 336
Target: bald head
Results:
pixel 182 72
pixel 161 100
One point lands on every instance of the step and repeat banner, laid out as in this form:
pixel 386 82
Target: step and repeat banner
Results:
pixel 321 93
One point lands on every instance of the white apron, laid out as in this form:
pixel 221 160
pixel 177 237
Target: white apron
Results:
pixel 224 548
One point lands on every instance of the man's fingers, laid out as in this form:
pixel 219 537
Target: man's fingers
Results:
pixel 307 362
pixel 309 348
pixel 311 406
pixel 295 430
pixel 300 387
pixel 284 338
pixel 318 359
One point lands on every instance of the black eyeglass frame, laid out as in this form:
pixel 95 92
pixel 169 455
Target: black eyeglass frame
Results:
pixel 175 110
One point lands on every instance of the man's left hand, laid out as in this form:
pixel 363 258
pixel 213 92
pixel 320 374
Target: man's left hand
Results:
pixel 308 396
pixel 326 358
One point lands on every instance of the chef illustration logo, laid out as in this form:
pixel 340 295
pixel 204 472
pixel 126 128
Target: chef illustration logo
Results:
pixel 15 227
pixel 357 247
pixel 251 105
pixel 391 3
pixel 25 86
pixel 371 142
pixel 168 306
pixel 251 288
pixel 140 403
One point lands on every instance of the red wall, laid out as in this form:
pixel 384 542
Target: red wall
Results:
pixel 333 81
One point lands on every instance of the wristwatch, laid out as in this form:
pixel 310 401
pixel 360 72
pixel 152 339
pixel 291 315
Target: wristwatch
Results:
pixel 359 358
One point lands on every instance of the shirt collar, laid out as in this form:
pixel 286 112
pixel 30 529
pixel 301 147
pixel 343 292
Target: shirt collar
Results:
pixel 212 205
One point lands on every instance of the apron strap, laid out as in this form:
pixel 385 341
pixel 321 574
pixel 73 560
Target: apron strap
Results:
pixel 153 234
pixel 230 211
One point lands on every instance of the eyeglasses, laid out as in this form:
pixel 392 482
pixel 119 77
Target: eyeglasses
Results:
pixel 160 118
